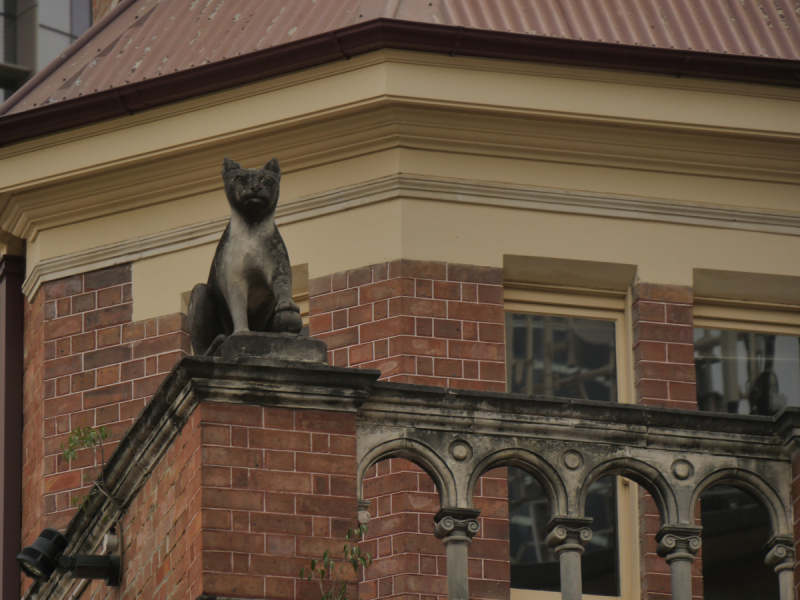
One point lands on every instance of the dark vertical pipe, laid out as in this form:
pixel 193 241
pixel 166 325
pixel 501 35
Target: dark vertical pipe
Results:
pixel 12 274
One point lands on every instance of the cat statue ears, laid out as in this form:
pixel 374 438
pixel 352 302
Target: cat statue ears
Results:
pixel 229 165
pixel 273 166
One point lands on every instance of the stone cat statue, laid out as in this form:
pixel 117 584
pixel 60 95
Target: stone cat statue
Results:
pixel 250 284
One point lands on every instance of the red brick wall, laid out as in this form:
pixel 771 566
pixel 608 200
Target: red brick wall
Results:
pixel 243 498
pixel 99 368
pixel 32 418
pixel 663 354
pixel 409 561
pixel 663 346
pixel 427 323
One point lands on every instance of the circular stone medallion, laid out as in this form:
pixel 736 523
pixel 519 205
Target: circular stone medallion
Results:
pixel 682 469
pixel 461 450
pixel 572 459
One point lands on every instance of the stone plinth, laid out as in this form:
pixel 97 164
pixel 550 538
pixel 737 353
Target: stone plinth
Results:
pixel 250 346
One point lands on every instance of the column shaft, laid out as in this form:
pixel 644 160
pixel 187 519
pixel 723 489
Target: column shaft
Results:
pixel 571 584
pixel 681 571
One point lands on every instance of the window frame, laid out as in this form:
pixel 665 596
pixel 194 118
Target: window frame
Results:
pixel 606 305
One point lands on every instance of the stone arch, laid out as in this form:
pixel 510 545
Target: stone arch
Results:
pixel 528 461
pixel 421 455
pixel 754 485
pixel 650 478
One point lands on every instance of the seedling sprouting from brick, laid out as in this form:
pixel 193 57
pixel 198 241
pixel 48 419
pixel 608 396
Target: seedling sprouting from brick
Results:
pixel 336 570
pixel 90 438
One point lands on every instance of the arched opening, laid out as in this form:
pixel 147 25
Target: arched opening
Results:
pixel 534 566
pixel 407 556
pixel 736 527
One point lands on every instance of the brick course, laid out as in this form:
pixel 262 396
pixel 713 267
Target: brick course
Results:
pixel 98 367
pixel 663 354
pixel 33 393
pixel 663 346
pixel 427 323
pixel 422 322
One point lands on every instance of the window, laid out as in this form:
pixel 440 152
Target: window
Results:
pixel 26 45
pixel 61 22
pixel 747 360
pixel 570 343
pixel 746 372
pixel 564 357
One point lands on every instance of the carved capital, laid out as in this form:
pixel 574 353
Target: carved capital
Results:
pixel 569 535
pixel 363 512
pixel 678 543
pixel 780 553
pixel 457 525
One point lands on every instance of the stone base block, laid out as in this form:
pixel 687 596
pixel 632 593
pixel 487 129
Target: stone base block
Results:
pixel 274 346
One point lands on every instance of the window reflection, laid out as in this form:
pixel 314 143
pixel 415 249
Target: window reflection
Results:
pixel 746 373
pixel 735 530
pixel 561 356
pixel 534 566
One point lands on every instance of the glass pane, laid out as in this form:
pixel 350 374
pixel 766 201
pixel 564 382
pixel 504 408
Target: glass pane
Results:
pixel 561 356
pixel 746 373
pixel 51 45
pixel 8 31
pixel 81 16
pixel 735 530
pixel 55 14
pixel 534 566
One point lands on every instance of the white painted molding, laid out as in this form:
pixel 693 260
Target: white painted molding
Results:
pixel 432 189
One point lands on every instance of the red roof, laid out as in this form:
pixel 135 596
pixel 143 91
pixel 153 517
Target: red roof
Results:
pixel 145 40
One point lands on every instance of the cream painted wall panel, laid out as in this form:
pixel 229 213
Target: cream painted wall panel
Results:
pixel 563 176
pixel 131 224
pixel 581 91
pixel 159 282
pixel 477 82
pixel 189 122
pixel 346 240
pixel 340 241
pixel 664 253
pixel 205 207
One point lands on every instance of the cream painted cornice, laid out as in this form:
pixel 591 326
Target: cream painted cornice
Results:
pixel 430 189
pixel 384 123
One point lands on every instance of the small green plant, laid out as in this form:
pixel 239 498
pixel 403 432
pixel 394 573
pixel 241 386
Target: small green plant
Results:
pixel 89 438
pixel 336 570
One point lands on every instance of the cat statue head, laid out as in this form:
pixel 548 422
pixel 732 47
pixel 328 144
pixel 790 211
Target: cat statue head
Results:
pixel 252 193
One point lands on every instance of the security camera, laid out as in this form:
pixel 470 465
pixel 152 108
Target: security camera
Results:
pixel 46 555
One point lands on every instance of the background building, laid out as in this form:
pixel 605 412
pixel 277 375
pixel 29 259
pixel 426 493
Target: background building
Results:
pixel 548 198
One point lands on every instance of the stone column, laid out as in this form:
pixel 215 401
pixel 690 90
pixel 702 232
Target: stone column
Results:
pixel 678 545
pixel 567 537
pixel 780 555
pixel 456 527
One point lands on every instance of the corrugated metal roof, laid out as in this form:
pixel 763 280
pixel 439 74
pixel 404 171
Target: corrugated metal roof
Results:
pixel 145 39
